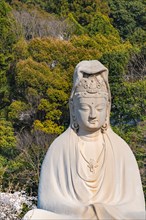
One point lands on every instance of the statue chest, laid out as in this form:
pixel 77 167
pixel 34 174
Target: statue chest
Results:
pixel 90 157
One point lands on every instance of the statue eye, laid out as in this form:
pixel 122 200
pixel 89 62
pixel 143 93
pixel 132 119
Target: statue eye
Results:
pixel 84 107
pixel 100 108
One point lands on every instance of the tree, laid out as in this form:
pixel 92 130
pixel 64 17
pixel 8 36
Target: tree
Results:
pixel 82 11
pixel 7 39
pixel 7 146
pixel 7 139
pixel 128 17
pixel 22 173
pixel 137 66
pixel 31 23
pixel 101 24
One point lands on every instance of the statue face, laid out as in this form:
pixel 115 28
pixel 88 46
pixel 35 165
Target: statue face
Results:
pixel 90 112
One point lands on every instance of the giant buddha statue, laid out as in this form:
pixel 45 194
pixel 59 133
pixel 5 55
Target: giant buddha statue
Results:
pixel 89 172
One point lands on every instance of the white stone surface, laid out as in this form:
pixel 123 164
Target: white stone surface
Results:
pixel 89 172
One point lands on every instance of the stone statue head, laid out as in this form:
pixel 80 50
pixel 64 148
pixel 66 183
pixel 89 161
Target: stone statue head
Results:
pixel 90 98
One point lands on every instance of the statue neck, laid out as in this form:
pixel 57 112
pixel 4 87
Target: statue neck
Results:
pixel 89 136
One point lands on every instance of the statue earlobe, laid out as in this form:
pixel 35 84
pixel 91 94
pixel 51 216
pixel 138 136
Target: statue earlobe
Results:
pixel 105 125
pixel 74 124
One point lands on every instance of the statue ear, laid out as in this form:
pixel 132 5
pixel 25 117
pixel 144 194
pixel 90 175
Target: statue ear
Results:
pixel 72 108
pixel 107 120
pixel 74 123
pixel 105 125
pixel 73 112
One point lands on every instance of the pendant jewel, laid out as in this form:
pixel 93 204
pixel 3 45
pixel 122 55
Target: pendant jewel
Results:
pixel 92 165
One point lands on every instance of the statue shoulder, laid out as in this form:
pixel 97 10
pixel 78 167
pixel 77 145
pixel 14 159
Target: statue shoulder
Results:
pixel 57 148
pixel 62 138
pixel 120 145
pixel 117 139
pixel 61 141
pixel 121 149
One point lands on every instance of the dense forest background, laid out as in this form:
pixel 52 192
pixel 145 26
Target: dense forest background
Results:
pixel 41 41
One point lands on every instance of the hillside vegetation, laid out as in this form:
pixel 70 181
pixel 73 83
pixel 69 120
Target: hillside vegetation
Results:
pixel 40 44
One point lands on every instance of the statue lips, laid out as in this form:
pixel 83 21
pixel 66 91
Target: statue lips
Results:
pixel 93 121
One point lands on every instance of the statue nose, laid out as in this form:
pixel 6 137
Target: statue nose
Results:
pixel 93 113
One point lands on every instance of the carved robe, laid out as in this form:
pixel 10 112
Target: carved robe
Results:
pixel 68 189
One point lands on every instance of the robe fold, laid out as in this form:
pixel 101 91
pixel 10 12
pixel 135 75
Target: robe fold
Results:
pixel 67 188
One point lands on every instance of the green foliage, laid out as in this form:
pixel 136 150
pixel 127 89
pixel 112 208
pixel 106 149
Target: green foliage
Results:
pixel 136 104
pixel 63 54
pixel 128 98
pixel 82 11
pixel 129 17
pixel 101 24
pixel 20 50
pixel 22 173
pixel 48 126
pixel 116 62
pixel 138 37
pixel 7 39
pixel 15 109
pixel 32 74
pixel 35 78
pixel 129 106
pixel 7 139
pixel 79 28
pixel 60 57
pixel 83 41
pixel 7 146
pixel 3 168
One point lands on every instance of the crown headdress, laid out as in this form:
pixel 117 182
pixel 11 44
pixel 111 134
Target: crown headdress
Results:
pixel 91 86
pixel 90 79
